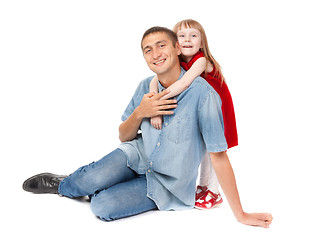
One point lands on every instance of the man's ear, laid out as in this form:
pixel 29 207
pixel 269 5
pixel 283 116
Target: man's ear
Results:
pixel 178 50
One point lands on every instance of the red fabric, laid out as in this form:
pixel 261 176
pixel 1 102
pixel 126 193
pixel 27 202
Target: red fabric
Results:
pixel 230 129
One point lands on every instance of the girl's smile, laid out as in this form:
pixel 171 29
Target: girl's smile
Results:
pixel 190 42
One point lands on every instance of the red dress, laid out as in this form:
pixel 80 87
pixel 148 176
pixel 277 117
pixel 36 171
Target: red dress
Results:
pixel 230 130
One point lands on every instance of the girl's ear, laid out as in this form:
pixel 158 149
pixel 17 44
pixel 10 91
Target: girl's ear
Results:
pixel 178 50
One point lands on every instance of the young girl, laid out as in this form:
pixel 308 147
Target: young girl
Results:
pixel 197 60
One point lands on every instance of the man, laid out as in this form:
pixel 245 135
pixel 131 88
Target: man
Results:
pixel 157 168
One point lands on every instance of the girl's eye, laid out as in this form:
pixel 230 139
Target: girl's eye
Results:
pixel 181 35
pixel 193 35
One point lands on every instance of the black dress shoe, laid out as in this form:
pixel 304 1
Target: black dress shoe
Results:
pixel 43 183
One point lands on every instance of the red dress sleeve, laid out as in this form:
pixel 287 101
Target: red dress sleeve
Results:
pixel 188 65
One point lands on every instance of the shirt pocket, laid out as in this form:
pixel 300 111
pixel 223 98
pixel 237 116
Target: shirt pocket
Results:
pixel 180 129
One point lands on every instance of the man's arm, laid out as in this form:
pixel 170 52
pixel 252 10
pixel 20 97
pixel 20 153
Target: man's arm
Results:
pixel 150 106
pixel 225 175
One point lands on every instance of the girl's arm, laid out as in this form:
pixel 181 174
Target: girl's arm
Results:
pixel 226 177
pixel 155 121
pixel 196 69
pixel 153 87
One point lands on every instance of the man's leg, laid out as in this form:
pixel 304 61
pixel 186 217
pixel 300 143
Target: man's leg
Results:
pixel 92 178
pixel 122 200
pixel 87 180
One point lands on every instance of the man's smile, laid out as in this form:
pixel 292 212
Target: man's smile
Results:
pixel 159 62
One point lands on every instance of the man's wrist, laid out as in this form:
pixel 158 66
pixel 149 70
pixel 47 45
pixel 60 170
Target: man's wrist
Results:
pixel 138 114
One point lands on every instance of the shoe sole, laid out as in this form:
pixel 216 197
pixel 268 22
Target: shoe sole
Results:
pixel 215 206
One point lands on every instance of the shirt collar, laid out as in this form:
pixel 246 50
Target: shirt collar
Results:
pixel 161 88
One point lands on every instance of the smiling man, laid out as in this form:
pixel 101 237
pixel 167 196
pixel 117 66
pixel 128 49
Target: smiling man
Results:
pixel 162 57
pixel 156 169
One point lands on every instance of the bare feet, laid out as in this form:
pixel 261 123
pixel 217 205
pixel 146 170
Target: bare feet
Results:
pixel 256 219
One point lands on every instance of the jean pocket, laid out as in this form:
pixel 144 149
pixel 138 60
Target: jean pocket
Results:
pixel 181 130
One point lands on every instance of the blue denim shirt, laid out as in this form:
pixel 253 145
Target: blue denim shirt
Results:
pixel 170 157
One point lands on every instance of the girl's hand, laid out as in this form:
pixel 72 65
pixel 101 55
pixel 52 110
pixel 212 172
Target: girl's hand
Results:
pixel 156 122
pixel 256 219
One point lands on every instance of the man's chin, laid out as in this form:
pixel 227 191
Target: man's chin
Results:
pixel 158 70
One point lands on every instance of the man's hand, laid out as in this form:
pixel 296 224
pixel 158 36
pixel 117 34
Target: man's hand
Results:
pixel 151 105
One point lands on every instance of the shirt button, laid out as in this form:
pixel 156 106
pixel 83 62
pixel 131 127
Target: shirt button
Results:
pixel 158 144
pixel 149 170
pixel 151 163
pixel 166 124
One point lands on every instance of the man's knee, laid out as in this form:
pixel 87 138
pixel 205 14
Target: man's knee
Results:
pixel 104 207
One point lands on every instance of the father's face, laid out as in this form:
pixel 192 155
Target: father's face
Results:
pixel 160 54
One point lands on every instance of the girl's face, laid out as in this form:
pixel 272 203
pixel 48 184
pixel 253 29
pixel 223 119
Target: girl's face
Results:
pixel 190 42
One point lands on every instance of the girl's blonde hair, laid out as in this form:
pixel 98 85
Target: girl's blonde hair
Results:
pixel 189 23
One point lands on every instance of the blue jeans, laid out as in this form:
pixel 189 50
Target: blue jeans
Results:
pixel 115 190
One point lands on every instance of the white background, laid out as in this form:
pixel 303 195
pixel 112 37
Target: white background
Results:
pixel 68 70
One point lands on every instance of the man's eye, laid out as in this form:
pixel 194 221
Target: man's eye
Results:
pixel 162 45
pixel 147 51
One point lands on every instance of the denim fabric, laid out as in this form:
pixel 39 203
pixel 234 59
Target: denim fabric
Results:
pixel 170 157
pixel 115 190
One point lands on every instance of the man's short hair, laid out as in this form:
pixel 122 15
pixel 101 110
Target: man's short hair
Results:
pixel 172 36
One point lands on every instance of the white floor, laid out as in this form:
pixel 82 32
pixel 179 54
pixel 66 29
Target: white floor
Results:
pixel 31 216
pixel 49 217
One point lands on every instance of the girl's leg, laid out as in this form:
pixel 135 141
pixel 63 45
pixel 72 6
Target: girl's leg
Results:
pixel 209 198
pixel 122 200
pixel 208 175
pixel 213 184
pixel 92 178
pixel 205 170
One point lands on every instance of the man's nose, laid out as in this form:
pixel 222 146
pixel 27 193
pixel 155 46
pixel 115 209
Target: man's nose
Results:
pixel 156 53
